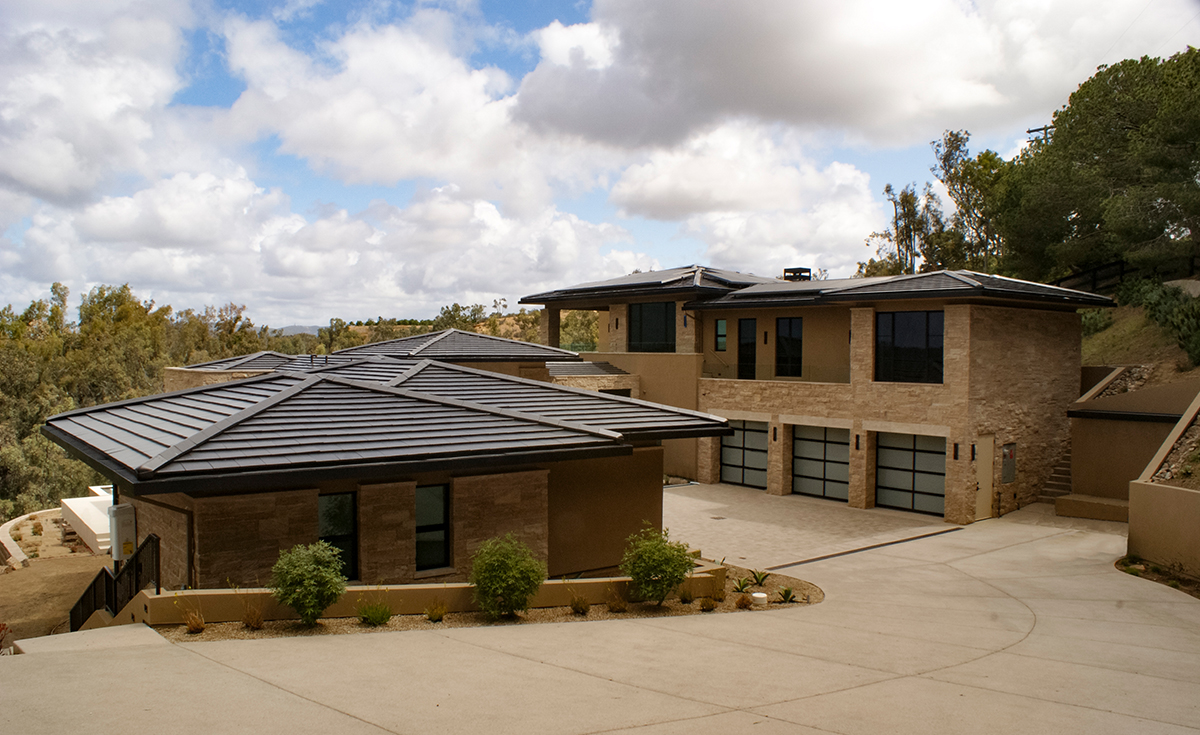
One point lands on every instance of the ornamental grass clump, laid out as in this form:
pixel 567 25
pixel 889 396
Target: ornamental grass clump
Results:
pixel 308 579
pixel 505 574
pixel 655 564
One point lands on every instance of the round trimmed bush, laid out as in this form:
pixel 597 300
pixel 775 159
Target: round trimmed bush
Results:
pixel 655 563
pixel 308 579
pixel 505 574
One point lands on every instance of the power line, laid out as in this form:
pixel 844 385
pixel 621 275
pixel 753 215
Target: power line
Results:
pixel 1131 24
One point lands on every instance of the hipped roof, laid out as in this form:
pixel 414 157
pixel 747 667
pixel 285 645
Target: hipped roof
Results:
pixel 459 346
pixel 360 418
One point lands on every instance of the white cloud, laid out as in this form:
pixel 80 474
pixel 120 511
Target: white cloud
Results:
pixel 885 72
pixel 587 44
pixel 76 97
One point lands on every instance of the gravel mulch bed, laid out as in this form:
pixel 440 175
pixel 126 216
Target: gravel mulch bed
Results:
pixel 805 592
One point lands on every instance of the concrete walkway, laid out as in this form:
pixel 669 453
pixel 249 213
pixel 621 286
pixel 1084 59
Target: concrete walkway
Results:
pixel 1014 625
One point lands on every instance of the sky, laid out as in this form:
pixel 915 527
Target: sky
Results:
pixel 312 159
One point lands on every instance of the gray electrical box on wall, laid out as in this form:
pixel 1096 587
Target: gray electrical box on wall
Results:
pixel 122 531
pixel 1008 463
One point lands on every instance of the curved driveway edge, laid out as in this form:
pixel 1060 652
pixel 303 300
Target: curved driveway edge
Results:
pixel 1014 625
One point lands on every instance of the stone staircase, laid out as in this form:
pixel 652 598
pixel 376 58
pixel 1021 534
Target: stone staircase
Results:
pixel 1059 483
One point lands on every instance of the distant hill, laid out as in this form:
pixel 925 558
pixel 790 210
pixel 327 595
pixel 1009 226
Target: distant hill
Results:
pixel 300 329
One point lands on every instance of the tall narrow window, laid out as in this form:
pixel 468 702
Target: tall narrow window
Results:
pixel 789 346
pixel 337 525
pixel 908 346
pixel 652 327
pixel 721 332
pixel 747 349
pixel 433 527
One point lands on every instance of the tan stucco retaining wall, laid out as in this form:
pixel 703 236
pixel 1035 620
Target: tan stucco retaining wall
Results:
pixel 1106 455
pixel 225 605
pixel 1163 523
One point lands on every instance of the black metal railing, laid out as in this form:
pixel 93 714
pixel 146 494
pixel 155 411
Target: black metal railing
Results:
pixel 113 592
pixel 1104 279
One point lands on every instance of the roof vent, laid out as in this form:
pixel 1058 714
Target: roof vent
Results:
pixel 797 274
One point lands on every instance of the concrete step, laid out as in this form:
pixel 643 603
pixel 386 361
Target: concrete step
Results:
pixel 1077 505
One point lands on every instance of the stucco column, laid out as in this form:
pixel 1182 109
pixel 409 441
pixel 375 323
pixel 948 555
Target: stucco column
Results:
pixel 549 326
pixel 779 458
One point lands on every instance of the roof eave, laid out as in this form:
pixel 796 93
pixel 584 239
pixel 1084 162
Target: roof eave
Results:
pixel 242 481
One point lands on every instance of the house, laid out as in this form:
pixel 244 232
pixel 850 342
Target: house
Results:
pixel 943 393
pixel 406 465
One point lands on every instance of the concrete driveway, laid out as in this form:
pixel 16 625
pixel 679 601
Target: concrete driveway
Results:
pixel 1013 625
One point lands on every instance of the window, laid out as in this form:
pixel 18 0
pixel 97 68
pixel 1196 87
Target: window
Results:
pixel 652 327
pixel 908 346
pixel 337 526
pixel 747 349
pixel 433 527
pixel 722 331
pixel 789 343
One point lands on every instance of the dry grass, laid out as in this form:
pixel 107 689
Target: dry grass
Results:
pixel 1133 339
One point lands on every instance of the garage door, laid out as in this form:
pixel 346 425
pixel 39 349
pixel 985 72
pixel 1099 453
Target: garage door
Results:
pixel 744 454
pixel 910 472
pixel 821 462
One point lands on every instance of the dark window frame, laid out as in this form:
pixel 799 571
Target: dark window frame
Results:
pixel 910 346
pixel 347 543
pixel 747 362
pixel 789 348
pixel 720 335
pixel 444 560
pixel 655 316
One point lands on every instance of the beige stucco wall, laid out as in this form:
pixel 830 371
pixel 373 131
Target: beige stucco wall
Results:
pixel 826 350
pixel 1162 525
pixel 1107 455
pixel 595 505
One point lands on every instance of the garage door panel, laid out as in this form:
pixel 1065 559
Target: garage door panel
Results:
pixel 930 463
pixel 743 454
pixel 837 490
pixel 929 503
pixel 910 472
pixel 820 459
pixel 931 484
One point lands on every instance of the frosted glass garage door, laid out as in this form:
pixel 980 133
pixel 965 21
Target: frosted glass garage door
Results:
pixel 910 472
pixel 821 462
pixel 744 454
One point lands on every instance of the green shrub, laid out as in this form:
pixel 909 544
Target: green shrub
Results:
pixel 1134 292
pixel 786 595
pixel 1095 321
pixel 760 576
pixel 308 579
pixel 505 574
pixel 373 613
pixel 655 563
pixel 742 584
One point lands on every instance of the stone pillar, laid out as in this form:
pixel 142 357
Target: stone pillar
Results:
pixel 618 326
pixel 688 331
pixel 387 532
pixel 708 460
pixel 549 325
pixel 862 346
pixel 862 467
pixel 779 458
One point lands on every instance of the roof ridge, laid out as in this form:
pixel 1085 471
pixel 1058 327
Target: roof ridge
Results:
pixel 181 392
pixel 443 334
pixel 957 275
pixel 147 469
pixel 509 339
pixel 421 365
pixel 460 403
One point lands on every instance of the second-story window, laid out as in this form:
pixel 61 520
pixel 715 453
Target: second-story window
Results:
pixel 908 346
pixel 722 331
pixel 652 327
pixel 789 346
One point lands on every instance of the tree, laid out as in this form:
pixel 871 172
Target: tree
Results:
pixel 972 184
pixel 656 564
pixel 456 316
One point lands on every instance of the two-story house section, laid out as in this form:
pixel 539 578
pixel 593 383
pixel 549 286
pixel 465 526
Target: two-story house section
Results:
pixel 943 393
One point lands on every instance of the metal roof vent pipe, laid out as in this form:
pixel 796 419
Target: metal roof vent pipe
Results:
pixel 797 274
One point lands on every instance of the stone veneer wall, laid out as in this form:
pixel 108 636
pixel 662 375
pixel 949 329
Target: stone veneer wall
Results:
pixel 1011 372
pixel 387 529
pixel 170 524
pixel 239 537
pixel 175 378
pixel 602 382
pixel 1024 376
pixel 484 506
